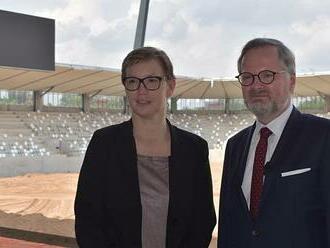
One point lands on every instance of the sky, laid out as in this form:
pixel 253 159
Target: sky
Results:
pixel 203 38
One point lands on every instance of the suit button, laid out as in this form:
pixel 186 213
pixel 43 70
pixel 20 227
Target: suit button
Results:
pixel 255 233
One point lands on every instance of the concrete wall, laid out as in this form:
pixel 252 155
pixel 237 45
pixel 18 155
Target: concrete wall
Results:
pixel 15 166
pixel 11 166
pixel 16 108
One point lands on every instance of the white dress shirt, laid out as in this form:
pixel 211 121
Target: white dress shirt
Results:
pixel 276 126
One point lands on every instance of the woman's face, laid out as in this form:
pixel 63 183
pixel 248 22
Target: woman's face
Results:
pixel 145 103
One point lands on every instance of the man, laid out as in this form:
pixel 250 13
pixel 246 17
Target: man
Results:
pixel 275 189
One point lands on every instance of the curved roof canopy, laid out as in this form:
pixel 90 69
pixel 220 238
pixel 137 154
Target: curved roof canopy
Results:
pixel 105 81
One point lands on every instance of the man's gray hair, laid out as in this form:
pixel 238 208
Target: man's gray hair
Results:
pixel 285 55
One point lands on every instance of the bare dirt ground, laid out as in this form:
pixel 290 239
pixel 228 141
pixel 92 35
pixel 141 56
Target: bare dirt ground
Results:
pixel 44 202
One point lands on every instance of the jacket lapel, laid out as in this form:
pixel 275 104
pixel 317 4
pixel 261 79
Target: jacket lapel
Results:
pixel 175 224
pixel 245 153
pixel 240 169
pixel 128 160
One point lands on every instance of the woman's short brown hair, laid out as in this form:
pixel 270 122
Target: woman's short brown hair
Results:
pixel 148 53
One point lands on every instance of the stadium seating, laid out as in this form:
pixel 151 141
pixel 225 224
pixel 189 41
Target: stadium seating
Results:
pixel 46 133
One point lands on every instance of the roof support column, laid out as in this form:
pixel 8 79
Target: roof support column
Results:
pixel 126 105
pixel 37 101
pixel 227 105
pixel 327 103
pixel 85 103
pixel 174 106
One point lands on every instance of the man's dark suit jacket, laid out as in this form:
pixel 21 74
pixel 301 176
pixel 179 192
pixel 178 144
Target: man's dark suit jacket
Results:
pixel 108 206
pixel 295 209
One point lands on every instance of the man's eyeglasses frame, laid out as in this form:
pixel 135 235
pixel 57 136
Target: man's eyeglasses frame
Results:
pixel 259 75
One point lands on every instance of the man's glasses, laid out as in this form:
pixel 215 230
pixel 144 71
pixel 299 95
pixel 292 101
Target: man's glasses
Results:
pixel 150 83
pixel 265 77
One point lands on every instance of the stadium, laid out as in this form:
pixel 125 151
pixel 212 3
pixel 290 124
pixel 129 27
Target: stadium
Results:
pixel 41 150
pixel 48 117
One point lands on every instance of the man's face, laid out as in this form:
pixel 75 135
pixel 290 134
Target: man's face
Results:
pixel 267 101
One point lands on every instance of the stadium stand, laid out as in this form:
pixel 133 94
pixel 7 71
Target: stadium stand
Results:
pixel 215 128
pixel 47 133
pixel 17 139
pixel 42 133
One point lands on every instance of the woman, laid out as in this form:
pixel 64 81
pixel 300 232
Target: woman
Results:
pixel 144 182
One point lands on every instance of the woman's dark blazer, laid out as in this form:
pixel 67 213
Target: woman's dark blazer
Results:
pixel 108 206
